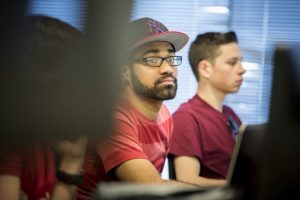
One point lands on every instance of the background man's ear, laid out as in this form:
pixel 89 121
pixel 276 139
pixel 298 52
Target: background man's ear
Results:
pixel 204 69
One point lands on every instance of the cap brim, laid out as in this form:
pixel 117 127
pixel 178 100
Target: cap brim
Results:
pixel 177 39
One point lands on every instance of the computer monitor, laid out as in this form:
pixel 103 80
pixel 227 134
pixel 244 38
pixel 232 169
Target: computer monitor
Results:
pixel 243 170
pixel 279 172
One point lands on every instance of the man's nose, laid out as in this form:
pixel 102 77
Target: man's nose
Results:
pixel 242 70
pixel 166 68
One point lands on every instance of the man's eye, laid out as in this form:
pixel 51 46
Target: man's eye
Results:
pixel 232 63
pixel 153 60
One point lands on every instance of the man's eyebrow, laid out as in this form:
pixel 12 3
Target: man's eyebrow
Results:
pixel 236 58
pixel 170 50
pixel 151 51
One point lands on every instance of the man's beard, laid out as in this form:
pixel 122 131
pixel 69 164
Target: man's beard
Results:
pixel 158 92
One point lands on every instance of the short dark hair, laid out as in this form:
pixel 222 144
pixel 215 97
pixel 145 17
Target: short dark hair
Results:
pixel 206 46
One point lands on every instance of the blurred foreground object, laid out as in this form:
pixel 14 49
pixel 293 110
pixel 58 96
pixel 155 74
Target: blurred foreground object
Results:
pixel 80 99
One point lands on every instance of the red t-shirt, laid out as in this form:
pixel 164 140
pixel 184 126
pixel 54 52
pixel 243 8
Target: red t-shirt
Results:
pixel 34 166
pixel 135 137
pixel 202 131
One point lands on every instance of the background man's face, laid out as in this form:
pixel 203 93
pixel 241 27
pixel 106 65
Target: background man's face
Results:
pixel 227 70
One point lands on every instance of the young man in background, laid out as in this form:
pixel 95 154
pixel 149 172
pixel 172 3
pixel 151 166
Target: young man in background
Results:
pixel 205 129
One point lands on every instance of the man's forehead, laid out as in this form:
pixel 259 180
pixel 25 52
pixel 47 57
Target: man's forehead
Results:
pixel 230 49
pixel 232 45
pixel 156 46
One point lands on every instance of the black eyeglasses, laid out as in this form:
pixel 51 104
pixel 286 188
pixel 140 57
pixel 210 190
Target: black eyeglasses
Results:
pixel 157 61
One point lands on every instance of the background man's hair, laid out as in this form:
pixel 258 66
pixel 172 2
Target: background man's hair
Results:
pixel 206 46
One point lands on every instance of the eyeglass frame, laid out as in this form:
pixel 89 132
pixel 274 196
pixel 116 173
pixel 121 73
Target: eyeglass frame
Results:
pixel 144 61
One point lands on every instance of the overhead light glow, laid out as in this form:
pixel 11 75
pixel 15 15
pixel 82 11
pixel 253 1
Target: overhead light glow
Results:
pixel 216 9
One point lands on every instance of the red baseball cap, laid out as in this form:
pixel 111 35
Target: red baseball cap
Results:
pixel 146 30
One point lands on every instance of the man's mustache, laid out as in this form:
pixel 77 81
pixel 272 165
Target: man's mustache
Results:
pixel 160 80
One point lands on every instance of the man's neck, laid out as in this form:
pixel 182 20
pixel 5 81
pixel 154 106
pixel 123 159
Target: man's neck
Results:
pixel 147 106
pixel 212 96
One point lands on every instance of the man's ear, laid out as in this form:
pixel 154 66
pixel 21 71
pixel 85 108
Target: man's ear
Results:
pixel 125 74
pixel 204 69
